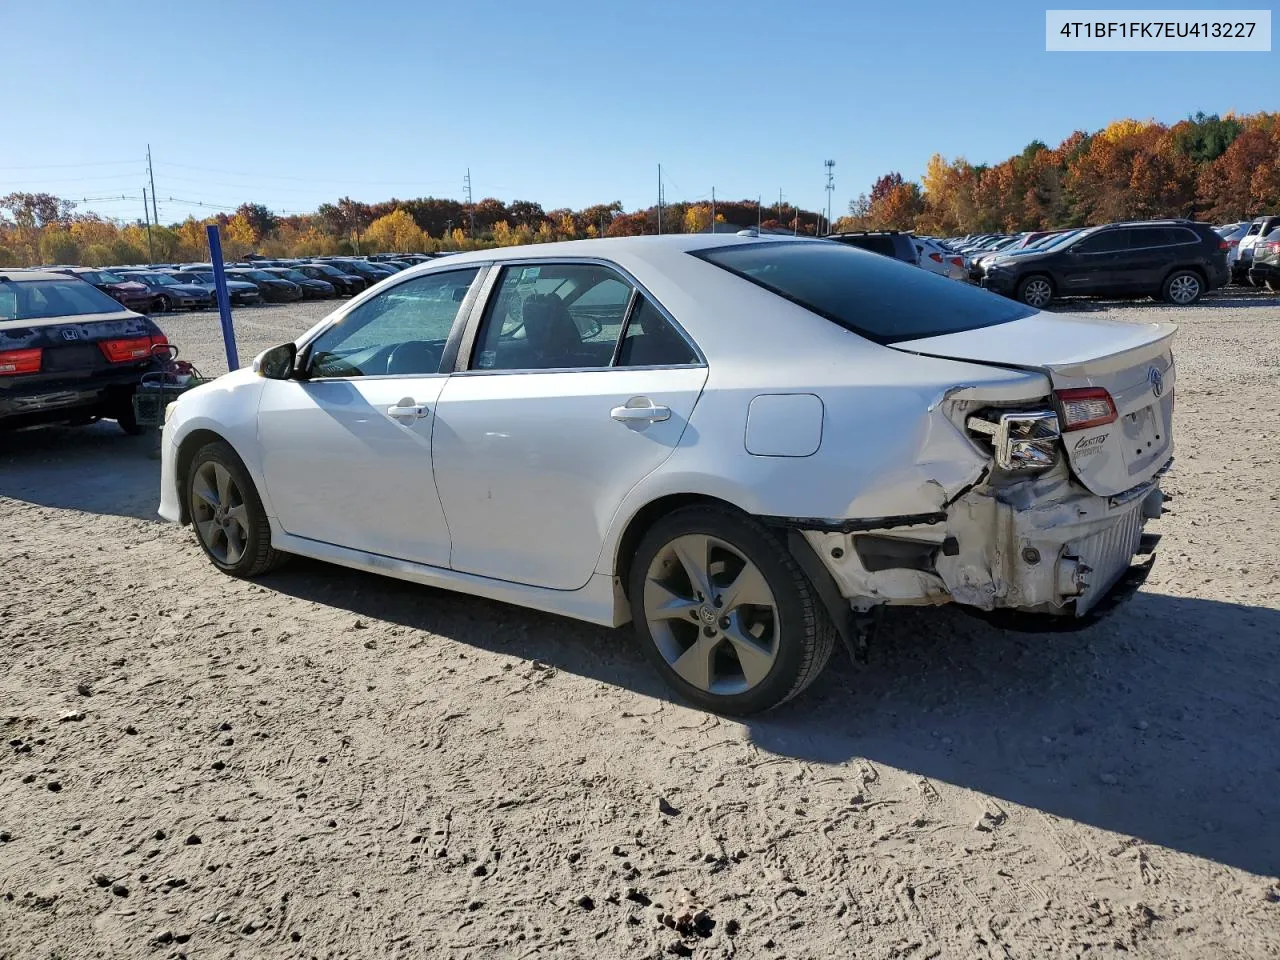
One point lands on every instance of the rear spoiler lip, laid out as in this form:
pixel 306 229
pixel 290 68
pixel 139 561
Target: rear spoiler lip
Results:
pixel 1097 366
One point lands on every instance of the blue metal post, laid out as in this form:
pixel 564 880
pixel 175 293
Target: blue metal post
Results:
pixel 224 301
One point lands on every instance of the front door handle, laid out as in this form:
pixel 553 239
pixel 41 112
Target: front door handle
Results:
pixel 640 410
pixel 407 409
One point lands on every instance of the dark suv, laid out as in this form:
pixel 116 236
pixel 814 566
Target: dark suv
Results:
pixel 1175 260
pixel 889 243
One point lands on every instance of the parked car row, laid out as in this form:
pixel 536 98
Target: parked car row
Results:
pixel 1246 240
pixel 1174 260
pixel 161 287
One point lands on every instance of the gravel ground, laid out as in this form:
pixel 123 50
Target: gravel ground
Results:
pixel 329 764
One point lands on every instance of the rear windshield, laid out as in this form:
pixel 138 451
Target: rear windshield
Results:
pixel 42 299
pixel 877 297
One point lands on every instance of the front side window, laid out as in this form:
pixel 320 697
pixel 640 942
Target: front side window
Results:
pixel 402 331
pixel 1108 241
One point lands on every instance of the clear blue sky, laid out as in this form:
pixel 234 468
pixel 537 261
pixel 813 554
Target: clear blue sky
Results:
pixel 566 103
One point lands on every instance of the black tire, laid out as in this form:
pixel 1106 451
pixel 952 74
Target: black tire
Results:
pixel 1182 288
pixel 161 305
pixel 1030 289
pixel 128 421
pixel 258 556
pixel 805 634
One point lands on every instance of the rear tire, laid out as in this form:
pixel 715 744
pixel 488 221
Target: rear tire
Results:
pixel 226 513
pixel 754 636
pixel 1036 291
pixel 161 305
pixel 1182 288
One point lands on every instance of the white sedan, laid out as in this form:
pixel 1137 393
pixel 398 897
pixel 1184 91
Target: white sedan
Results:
pixel 745 446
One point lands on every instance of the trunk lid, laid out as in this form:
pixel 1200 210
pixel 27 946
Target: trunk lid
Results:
pixel 1133 362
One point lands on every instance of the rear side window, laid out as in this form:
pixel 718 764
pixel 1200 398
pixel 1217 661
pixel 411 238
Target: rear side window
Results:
pixel 880 245
pixel 879 298
pixel 44 299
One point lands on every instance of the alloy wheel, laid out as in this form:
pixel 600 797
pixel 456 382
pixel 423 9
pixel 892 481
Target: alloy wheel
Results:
pixel 219 512
pixel 1184 288
pixel 1037 292
pixel 711 614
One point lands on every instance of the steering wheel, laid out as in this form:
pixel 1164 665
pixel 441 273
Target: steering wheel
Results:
pixel 414 356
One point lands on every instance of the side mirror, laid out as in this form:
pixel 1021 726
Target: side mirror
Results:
pixel 276 363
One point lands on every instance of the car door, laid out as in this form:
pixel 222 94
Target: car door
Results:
pixel 578 386
pixel 346 452
pixel 1149 256
pixel 1093 264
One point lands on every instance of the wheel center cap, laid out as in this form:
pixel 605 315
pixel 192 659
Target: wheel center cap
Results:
pixel 708 614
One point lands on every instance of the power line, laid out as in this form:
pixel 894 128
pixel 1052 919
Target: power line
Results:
pixel 64 166
pixel 313 180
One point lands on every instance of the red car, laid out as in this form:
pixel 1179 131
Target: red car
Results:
pixel 134 295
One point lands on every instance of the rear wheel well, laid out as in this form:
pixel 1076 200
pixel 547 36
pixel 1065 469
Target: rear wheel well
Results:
pixel 187 450
pixel 645 518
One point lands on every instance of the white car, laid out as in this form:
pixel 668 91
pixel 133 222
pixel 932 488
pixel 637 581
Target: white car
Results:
pixel 936 258
pixel 742 445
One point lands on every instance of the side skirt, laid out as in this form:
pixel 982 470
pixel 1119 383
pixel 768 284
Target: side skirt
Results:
pixel 595 602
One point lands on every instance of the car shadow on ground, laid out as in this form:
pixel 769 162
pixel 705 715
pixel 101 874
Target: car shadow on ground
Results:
pixel 96 469
pixel 1189 689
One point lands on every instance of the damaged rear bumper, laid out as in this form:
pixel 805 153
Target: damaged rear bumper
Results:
pixel 1047 549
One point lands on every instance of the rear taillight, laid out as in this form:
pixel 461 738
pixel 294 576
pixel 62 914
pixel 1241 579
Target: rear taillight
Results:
pixel 1223 245
pixel 935 257
pixel 14 362
pixel 957 261
pixel 1085 407
pixel 1232 243
pixel 132 349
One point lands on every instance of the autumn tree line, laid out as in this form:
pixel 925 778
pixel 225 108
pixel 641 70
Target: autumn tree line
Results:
pixel 1206 167
pixel 1211 168
pixel 43 229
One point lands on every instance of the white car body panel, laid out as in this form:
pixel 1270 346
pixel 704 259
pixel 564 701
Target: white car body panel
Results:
pixel 357 476
pixel 538 482
pixel 528 460
pixel 1132 361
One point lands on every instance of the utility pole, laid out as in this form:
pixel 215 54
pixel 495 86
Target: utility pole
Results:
pixel 155 216
pixel 659 198
pixel 758 220
pixel 151 250
pixel 780 220
pixel 713 209
pixel 831 186
pixel 466 183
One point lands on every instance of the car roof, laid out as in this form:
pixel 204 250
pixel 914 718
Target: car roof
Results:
pixel 19 275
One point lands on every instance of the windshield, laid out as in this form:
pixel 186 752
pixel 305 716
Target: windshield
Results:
pixel 100 276
pixel 156 279
pixel 877 297
pixel 42 299
pixel 256 275
pixel 293 275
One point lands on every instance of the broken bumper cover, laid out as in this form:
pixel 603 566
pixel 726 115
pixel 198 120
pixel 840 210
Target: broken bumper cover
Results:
pixel 1049 550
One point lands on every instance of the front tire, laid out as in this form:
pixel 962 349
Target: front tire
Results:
pixel 724 612
pixel 1036 291
pixel 1182 288
pixel 226 512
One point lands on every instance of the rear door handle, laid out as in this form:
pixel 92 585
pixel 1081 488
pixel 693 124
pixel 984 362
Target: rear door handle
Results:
pixel 640 410
pixel 407 409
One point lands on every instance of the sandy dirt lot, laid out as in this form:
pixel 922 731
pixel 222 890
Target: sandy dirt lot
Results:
pixel 328 764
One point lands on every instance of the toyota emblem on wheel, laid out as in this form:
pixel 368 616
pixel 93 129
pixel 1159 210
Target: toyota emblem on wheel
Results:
pixel 1156 379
